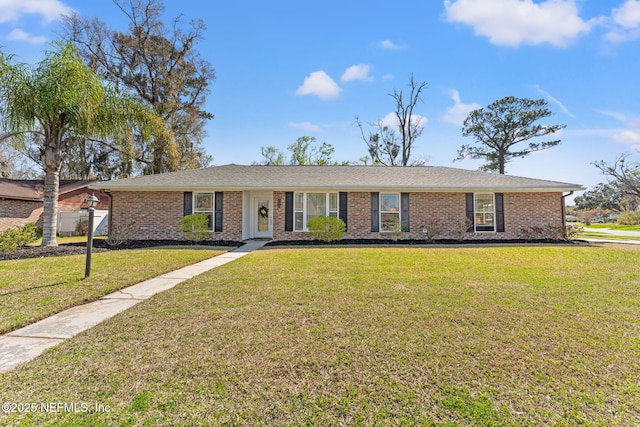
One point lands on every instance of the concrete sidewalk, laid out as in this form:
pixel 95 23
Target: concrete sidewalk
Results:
pixel 25 344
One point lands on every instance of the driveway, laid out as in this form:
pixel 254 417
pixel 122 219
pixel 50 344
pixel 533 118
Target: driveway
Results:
pixel 625 233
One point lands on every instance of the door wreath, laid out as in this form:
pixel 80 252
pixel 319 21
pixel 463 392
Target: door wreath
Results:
pixel 263 211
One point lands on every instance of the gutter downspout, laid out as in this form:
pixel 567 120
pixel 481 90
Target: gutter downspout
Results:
pixel 109 223
pixel 564 214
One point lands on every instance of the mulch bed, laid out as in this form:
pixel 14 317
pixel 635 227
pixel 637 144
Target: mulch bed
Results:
pixel 45 251
pixel 100 245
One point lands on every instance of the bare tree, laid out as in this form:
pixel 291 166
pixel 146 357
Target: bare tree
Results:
pixel 386 143
pixel 625 178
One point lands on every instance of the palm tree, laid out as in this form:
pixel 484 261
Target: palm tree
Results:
pixel 46 106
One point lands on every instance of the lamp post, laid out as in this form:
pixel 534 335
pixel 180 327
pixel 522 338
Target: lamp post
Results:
pixel 92 202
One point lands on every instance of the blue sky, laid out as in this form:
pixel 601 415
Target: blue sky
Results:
pixel 287 69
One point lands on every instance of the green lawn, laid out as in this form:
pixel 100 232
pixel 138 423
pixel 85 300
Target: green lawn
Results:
pixel 473 336
pixel 32 289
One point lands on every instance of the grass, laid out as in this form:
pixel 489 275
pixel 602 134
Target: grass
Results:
pixel 69 239
pixel 485 336
pixel 32 289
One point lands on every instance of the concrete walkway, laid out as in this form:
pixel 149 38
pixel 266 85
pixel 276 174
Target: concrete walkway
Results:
pixel 25 344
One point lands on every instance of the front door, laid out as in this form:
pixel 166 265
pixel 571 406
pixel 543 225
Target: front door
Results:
pixel 262 217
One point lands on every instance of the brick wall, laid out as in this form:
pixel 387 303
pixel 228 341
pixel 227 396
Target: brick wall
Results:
pixel 156 215
pixel 16 213
pixel 444 210
pixel 151 215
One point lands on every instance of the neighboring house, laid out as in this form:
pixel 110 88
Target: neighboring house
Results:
pixel 276 202
pixel 21 201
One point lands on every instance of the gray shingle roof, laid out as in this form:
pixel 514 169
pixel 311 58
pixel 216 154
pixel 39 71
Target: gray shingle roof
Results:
pixel 354 178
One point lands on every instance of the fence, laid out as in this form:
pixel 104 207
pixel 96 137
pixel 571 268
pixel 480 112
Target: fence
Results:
pixel 68 221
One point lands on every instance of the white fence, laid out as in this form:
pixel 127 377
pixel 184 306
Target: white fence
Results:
pixel 67 222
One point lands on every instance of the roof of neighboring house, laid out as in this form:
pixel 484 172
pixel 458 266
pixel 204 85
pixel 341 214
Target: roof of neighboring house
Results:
pixel 352 178
pixel 33 189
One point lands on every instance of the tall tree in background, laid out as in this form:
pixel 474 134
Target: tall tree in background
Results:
pixel 502 125
pixel 624 177
pixel 14 164
pixel 45 107
pixel 302 152
pixel 159 64
pixel 387 143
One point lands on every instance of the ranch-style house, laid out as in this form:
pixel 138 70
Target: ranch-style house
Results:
pixel 276 202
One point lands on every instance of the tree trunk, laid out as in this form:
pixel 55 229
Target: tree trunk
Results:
pixel 51 160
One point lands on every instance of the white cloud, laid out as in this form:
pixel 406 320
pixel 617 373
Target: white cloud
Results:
pixel 459 111
pixel 630 134
pixel 357 72
pixel 20 35
pixel 627 15
pixel 321 85
pixel 50 10
pixel 391 120
pixel 389 45
pixel 624 22
pixel 626 137
pixel 554 100
pixel 387 77
pixel 305 126
pixel 518 22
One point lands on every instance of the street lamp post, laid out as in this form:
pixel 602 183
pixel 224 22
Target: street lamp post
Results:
pixel 92 202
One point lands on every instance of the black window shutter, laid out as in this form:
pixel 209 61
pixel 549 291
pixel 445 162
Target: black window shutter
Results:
pixel 375 212
pixel 188 203
pixel 500 212
pixel 288 211
pixel 470 211
pixel 218 210
pixel 404 211
pixel 342 202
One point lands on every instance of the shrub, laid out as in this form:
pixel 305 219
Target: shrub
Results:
pixel 82 227
pixel 326 228
pixel 118 236
pixel 550 232
pixel 195 226
pixel 14 238
pixel 432 229
pixel 461 229
pixel 586 217
pixel 629 218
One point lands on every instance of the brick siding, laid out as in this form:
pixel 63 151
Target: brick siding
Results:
pixel 150 215
pixel 445 210
pixel 16 213
pixel 156 215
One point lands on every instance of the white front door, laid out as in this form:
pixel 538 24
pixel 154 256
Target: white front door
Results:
pixel 262 217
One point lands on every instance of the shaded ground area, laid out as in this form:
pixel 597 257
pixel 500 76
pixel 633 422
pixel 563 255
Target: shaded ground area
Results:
pixel 101 246
pixel 45 251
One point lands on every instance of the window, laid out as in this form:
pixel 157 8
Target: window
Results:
pixel 390 212
pixel 203 204
pixel 309 205
pixel 484 212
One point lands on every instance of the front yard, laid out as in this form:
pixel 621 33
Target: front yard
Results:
pixel 35 288
pixel 483 336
